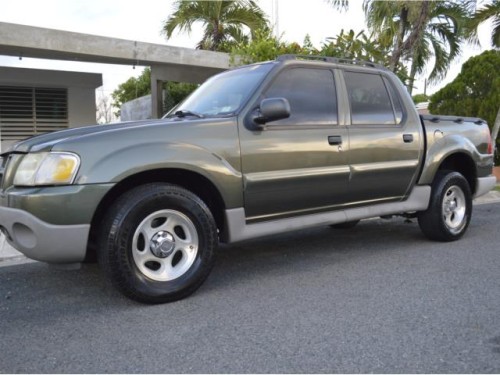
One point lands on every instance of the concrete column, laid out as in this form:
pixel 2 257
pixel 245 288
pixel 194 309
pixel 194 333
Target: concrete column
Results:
pixel 156 97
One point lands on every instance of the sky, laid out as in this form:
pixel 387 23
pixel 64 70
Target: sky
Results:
pixel 142 21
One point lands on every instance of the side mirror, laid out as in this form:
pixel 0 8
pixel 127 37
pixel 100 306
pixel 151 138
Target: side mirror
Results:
pixel 272 109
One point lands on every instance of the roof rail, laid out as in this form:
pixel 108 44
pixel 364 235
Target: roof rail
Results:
pixel 336 60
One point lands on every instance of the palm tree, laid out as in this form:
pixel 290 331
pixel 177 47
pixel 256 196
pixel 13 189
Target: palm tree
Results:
pixel 420 30
pixel 383 11
pixel 488 12
pixel 389 21
pixel 416 31
pixel 441 39
pixel 224 22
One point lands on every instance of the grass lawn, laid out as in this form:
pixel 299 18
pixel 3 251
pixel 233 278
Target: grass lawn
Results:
pixel 497 188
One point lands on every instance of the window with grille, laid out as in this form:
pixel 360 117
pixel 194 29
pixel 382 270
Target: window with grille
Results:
pixel 28 111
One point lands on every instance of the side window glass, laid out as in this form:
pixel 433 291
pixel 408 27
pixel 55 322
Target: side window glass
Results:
pixel 396 101
pixel 311 94
pixel 369 99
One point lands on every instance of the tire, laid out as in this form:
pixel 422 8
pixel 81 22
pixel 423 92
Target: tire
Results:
pixel 158 243
pixel 450 208
pixel 346 225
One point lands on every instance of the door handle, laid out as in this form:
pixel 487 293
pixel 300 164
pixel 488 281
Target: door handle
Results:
pixel 335 140
pixel 407 138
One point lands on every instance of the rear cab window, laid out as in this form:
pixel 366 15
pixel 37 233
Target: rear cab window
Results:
pixel 372 99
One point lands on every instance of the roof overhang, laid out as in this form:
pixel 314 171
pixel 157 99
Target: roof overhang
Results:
pixel 36 42
pixel 48 78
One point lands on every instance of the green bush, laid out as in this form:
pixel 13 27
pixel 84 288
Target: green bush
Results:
pixel 475 92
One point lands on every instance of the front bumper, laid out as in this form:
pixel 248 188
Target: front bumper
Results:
pixel 43 241
pixel 50 224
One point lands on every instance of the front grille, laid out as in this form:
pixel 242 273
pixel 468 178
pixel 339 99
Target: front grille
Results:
pixel 8 166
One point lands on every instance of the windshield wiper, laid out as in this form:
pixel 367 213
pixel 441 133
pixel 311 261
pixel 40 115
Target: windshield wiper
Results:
pixel 184 113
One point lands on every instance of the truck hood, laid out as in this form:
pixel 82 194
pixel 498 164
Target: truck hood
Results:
pixel 45 142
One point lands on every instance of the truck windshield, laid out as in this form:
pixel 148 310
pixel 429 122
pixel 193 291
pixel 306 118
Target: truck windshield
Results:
pixel 223 94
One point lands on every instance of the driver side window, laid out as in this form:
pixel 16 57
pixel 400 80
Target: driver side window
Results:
pixel 311 94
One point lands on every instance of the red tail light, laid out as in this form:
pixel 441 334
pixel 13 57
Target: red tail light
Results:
pixel 490 144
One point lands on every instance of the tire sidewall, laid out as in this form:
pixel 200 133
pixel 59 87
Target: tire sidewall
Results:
pixel 125 273
pixel 444 181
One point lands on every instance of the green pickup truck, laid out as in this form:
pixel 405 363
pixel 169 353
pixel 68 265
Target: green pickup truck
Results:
pixel 254 151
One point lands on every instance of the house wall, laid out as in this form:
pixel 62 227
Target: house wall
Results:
pixel 81 91
pixel 81 106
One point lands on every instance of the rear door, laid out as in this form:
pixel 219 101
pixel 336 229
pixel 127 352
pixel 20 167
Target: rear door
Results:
pixel 299 164
pixel 385 139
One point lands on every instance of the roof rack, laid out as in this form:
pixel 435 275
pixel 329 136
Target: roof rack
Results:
pixel 336 60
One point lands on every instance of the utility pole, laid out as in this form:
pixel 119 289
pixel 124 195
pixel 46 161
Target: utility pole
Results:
pixel 276 18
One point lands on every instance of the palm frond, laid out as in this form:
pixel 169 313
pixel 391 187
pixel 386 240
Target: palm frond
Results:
pixel 340 5
pixel 219 18
pixel 442 60
pixel 186 13
pixel 495 34
pixel 488 12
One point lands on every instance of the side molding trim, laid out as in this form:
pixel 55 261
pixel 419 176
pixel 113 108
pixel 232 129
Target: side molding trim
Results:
pixel 238 230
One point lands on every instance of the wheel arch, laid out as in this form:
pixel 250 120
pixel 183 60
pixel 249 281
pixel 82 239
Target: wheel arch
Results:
pixel 464 164
pixel 455 160
pixel 198 184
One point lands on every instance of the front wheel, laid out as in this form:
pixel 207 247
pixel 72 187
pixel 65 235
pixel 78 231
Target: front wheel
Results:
pixel 158 243
pixel 450 208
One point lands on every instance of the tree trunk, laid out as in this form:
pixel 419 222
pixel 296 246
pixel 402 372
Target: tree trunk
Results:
pixel 496 126
pixel 216 36
pixel 403 18
pixel 413 72
pixel 415 34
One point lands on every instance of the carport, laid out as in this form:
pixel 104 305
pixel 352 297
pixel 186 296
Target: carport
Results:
pixel 167 63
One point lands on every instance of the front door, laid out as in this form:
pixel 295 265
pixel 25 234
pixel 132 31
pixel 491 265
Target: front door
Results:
pixel 297 165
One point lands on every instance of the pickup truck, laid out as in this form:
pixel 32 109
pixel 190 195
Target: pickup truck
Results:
pixel 254 151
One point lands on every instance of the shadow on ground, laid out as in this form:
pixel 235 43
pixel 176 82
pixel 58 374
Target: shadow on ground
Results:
pixel 292 253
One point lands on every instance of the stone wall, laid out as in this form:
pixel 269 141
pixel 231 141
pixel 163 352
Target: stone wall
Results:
pixel 137 109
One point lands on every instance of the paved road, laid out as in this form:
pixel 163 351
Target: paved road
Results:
pixel 376 298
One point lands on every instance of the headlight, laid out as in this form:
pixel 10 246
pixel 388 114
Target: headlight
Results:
pixel 47 168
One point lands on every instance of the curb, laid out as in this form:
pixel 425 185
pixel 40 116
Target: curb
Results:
pixel 491 197
pixel 15 260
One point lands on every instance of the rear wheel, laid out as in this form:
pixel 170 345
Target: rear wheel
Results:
pixel 450 208
pixel 158 243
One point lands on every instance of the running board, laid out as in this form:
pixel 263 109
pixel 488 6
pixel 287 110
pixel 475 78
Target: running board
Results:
pixel 238 230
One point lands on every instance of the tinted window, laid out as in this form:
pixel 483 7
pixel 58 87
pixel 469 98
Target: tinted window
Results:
pixel 311 94
pixel 396 102
pixel 370 102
